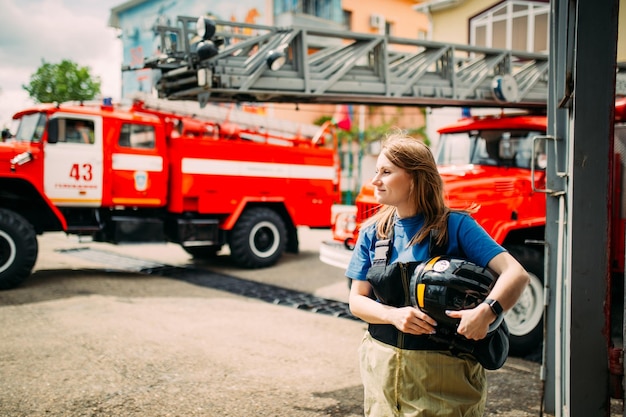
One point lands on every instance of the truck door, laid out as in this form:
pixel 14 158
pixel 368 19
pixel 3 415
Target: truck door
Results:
pixel 73 166
pixel 138 174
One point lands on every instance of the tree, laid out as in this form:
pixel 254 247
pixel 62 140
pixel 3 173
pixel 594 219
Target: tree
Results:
pixel 62 82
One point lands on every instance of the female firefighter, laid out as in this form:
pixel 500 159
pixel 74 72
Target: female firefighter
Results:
pixel 405 372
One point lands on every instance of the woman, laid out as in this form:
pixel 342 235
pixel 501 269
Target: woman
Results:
pixel 404 373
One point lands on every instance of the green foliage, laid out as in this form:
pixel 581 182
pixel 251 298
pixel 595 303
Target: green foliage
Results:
pixel 322 119
pixel 61 82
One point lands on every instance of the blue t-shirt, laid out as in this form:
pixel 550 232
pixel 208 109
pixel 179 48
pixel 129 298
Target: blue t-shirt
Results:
pixel 466 239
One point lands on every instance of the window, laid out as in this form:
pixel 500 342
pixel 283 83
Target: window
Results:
pixel 137 136
pixel 388 28
pixel 325 9
pixel 491 148
pixel 347 19
pixel 519 25
pixel 76 131
pixel 29 128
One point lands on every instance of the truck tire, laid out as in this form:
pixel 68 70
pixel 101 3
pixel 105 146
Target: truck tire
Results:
pixel 258 239
pixel 18 249
pixel 525 319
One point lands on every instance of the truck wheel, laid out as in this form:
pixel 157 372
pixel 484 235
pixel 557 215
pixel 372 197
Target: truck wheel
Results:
pixel 525 319
pixel 18 249
pixel 258 239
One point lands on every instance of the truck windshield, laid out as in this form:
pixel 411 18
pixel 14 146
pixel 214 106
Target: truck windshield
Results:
pixel 490 147
pixel 30 127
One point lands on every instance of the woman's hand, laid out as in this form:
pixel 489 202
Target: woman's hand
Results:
pixel 474 322
pixel 512 279
pixel 411 320
pixel 406 319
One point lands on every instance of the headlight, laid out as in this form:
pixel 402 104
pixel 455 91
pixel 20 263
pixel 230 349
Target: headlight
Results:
pixel 345 222
pixel 22 158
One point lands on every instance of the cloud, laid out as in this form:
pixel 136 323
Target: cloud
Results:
pixel 53 30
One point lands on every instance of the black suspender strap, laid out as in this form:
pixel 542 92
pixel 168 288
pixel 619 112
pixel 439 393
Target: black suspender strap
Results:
pixel 382 252
pixel 433 248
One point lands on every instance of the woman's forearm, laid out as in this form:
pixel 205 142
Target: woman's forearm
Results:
pixel 368 310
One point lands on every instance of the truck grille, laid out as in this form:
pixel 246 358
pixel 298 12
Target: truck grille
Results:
pixel 365 211
pixel 504 186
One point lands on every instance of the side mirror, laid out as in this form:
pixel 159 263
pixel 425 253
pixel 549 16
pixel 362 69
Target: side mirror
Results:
pixel 53 131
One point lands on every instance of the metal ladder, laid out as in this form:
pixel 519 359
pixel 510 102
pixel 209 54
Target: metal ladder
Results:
pixel 334 67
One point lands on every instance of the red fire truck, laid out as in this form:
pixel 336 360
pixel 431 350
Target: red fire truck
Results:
pixel 138 174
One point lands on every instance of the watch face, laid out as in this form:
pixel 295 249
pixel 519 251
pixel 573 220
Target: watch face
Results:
pixel 495 306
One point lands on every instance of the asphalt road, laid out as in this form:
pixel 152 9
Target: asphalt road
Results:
pixel 142 330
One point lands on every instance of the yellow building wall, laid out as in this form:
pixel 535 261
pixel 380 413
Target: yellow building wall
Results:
pixel 405 22
pixel 451 25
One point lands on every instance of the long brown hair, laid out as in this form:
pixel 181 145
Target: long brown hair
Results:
pixel 413 156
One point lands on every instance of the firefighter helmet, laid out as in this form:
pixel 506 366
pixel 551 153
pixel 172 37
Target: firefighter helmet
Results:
pixel 448 283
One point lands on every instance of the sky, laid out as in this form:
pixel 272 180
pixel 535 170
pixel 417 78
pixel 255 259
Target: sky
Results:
pixel 53 30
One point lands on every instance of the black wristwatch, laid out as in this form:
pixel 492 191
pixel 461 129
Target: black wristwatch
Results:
pixel 495 306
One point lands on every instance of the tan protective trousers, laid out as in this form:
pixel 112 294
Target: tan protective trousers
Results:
pixel 420 383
